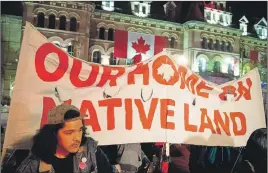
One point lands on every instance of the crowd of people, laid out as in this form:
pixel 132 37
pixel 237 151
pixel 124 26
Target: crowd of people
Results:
pixel 62 146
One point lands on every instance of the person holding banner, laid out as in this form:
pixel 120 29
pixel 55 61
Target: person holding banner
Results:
pixel 61 146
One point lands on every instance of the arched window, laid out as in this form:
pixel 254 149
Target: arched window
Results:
pixel 52 21
pixel 217 67
pixel 70 50
pixel 172 42
pixel 57 44
pixel 230 69
pixel 101 33
pixel 41 20
pixel 202 65
pixel 204 43
pixel 229 47
pixel 111 34
pixel 136 8
pixel 97 57
pixel 223 46
pixel 221 7
pixel 73 24
pixel 112 59
pixel 62 23
pixel 210 44
pixel 217 45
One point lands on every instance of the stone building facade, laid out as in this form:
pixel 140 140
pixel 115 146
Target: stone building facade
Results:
pixel 211 47
pixel 10 49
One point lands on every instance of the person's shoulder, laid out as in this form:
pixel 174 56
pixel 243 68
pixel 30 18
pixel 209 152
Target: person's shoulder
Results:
pixel 30 163
pixel 91 141
pixel 91 144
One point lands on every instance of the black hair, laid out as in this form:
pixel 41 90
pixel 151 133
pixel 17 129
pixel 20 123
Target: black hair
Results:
pixel 256 150
pixel 45 141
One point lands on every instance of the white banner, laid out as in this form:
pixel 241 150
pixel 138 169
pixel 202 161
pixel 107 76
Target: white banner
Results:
pixel 154 101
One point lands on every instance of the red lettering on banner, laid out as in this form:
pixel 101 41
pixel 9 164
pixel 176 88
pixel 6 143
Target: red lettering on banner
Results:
pixel 146 120
pixel 243 91
pixel 225 125
pixel 92 119
pixel 227 90
pixel 165 112
pixel 191 82
pixel 48 104
pixel 187 126
pixel 203 86
pixel 141 69
pixel 243 123
pixel 129 114
pixel 40 58
pixel 221 123
pixel 108 76
pixel 159 77
pixel 110 104
pixel 182 71
pixel 75 71
pixel 206 122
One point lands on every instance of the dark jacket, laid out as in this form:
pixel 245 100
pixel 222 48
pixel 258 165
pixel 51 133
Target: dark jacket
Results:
pixel 245 167
pixel 210 159
pixel 96 162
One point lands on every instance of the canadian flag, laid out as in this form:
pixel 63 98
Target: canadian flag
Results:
pixel 137 46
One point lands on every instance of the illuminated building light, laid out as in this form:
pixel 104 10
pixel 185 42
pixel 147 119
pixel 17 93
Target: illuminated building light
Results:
pixel 108 5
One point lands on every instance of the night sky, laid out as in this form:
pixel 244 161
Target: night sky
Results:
pixel 253 10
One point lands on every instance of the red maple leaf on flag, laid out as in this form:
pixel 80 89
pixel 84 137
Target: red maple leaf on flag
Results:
pixel 140 47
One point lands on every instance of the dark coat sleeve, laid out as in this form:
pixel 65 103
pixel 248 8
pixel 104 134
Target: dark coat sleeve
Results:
pixel 103 164
pixel 29 165
pixel 244 167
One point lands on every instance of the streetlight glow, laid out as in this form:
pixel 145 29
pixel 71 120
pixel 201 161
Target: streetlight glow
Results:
pixel 182 60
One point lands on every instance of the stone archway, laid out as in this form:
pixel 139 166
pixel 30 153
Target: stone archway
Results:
pixel 217 63
pixel 202 63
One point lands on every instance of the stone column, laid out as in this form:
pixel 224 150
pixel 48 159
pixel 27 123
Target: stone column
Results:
pixel 67 25
pixel 175 43
pixel 35 20
pixel 106 34
pixel 57 25
pixel 46 22
pixel 98 33
pixel 73 42
pixel 169 42
pixel 77 26
pixel 226 46
pixel 213 44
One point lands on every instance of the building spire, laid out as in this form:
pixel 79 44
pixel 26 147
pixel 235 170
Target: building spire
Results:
pixel 194 12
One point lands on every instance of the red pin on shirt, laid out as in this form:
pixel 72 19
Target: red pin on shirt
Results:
pixel 82 165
